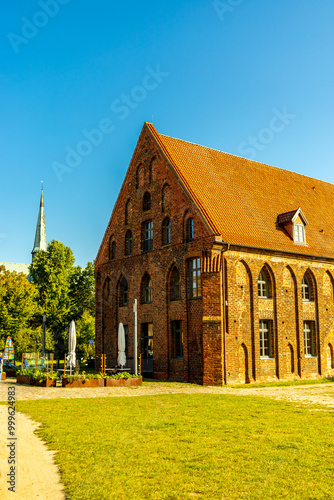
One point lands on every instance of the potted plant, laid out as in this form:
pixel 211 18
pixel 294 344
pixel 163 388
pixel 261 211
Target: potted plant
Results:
pixel 83 380
pixel 23 376
pixel 123 379
pixel 46 379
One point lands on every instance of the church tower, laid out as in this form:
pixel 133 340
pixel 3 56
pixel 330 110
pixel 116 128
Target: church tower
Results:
pixel 40 236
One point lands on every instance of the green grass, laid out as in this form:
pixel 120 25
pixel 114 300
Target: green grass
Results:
pixel 188 446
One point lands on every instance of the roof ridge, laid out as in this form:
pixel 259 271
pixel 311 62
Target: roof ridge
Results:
pixel 245 159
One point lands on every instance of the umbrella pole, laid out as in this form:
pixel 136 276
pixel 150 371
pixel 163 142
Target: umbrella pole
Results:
pixel 65 365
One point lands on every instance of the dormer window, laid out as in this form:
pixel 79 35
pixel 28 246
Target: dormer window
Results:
pixel 299 233
pixel 294 223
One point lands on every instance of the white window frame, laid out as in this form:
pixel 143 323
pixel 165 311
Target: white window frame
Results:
pixel 309 344
pixel 299 233
pixel 263 285
pixel 265 329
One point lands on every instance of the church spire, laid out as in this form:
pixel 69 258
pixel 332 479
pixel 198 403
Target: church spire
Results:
pixel 40 236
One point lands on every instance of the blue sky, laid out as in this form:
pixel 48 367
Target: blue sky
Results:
pixel 253 78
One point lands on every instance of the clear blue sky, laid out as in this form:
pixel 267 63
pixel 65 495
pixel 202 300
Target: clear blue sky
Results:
pixel 250 77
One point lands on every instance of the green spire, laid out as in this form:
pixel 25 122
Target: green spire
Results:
pixel 40 236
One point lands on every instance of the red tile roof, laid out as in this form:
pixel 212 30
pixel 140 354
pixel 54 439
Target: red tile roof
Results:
pixel 241 199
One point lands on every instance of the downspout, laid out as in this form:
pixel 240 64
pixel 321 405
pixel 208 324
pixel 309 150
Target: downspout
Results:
pixel 224 309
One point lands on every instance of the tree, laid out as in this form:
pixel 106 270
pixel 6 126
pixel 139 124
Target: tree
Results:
pixel 18 311
pixel 82 290
pixel 64 291
pixel 85 328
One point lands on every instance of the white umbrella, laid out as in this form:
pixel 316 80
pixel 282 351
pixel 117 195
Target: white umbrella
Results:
pixel 72 340
pixel 121 360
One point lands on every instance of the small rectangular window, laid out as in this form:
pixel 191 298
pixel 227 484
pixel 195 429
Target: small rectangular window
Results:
pixel 299 233
pixel 309 338
pixel 265 338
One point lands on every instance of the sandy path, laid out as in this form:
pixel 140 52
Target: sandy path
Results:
pixel 38 476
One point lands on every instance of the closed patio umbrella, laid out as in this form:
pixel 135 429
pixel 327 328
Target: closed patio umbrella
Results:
pixel 72 341
pixel 121 360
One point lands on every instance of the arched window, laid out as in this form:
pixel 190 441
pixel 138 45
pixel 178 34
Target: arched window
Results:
pixel 146 289
pixel 263 285
pixel 307 287
pixel 175 284
pixel 123 292
pixel 330 360
pixel 112 248
pixel 147 236
pixel 146 202
pixel 128 243
pixel 166 231
pixel 190 229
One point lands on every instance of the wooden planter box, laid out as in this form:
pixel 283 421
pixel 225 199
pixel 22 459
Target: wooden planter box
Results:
pixel 93 382
pixel 3 376
pixel 46 383
pixel 123 382
pixel 23 379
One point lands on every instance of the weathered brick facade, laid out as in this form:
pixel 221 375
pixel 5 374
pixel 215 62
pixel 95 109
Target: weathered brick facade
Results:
pixel 220 338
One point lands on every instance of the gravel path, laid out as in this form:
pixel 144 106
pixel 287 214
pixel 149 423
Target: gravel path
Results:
pixel 320 394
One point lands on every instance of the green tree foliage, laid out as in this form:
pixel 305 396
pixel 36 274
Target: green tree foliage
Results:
pixel 85 328
pixel 82 290
pixel 64 291
pixel 18 310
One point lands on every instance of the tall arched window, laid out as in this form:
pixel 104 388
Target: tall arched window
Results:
pixel 146 289
pixel 307 287
pixel 128 243
pixel 263 284
pixel 175 284
pixel 146 202
pixel 123 292
pixel 190 229
pixel 147 236
pixel 166 231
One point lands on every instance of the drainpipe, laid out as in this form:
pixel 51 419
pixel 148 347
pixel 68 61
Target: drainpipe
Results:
pixel 224 308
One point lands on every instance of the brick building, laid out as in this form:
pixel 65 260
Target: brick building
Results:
pixel 231 261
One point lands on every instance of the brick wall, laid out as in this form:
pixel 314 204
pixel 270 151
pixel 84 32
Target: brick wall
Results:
pixel 205 346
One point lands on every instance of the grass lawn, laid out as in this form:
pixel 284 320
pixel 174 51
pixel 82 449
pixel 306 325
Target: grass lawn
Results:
pixel 188 446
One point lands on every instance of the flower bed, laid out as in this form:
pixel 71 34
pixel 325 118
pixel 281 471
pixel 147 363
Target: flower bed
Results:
pixel 48 382
pixel 23 379
pixel 83 382
pixel 123 382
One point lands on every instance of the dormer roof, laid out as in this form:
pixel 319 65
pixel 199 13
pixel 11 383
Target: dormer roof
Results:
pixel 291 217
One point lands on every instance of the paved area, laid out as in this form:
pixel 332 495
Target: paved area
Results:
pixel 319 394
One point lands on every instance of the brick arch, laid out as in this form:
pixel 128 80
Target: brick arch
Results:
pixel 290 327
pixel 328 285
pixel 140 176
pixel 245 314
pixel 127 211
pixel 170 282
pixel 152 170
pixel 121 286
pixel 165 197
pixel 330 356
pixel 309 275
pixel 290 359
pixel 268 273
pixel 243 364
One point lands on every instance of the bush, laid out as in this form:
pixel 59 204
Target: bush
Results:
pixel 124 375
